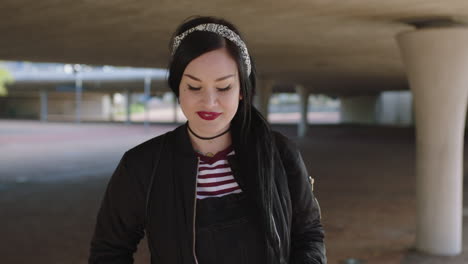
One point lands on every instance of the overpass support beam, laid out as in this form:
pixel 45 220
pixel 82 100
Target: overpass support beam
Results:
pixel 304 105
pixel 436 60
pixel 395 108
pixel 128 94
pixel 78 96
pixel 262 100
pixel 147 88
pixel 358 109
pixel 44 105
pixel 111 107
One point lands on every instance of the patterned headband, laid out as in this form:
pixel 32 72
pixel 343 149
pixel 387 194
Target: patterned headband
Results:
pixel 222 31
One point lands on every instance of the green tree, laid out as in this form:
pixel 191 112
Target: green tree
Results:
pixel 5 78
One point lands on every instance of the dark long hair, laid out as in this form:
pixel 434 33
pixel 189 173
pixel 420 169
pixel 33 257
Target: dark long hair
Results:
pixel 251 134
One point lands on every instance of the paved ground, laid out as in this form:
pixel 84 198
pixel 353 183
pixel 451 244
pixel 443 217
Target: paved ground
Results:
pixel 52 178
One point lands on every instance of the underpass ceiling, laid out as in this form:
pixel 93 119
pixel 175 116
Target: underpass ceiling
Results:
pixel 324 45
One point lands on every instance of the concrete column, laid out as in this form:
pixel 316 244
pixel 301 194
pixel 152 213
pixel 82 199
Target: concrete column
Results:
pixel 147 98
pixel 436 61
pixel 395 108
pixel 262 100
pixel 111 106
pixel 358 109
pixel 78 96
pixel 44 103
pixel 304 105
pixel 128 94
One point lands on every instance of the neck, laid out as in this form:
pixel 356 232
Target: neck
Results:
pixel 211 145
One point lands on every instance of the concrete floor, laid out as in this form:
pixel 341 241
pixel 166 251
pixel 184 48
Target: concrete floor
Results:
pixel 52 178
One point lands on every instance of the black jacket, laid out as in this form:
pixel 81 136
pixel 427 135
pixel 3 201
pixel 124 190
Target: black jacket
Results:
pixel 166 210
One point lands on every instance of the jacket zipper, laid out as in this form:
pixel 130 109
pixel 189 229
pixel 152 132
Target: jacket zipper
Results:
pixel 195 213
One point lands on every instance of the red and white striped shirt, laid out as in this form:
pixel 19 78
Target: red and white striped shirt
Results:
pixel 215 177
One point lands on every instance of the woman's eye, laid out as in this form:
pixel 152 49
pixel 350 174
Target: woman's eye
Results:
pixel 219 89
pixel 224 89
pixel 193 88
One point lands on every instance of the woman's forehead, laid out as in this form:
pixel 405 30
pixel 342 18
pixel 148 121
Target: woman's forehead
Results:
pixel 212 66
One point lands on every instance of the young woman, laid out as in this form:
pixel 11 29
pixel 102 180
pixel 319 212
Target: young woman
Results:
pixel 221 188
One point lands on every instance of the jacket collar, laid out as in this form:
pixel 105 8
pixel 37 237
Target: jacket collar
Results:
pixel 182 141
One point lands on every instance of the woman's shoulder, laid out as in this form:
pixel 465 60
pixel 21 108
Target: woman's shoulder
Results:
pixel 285 145
pixel 148 149
pixel 278 136
pixel 147 146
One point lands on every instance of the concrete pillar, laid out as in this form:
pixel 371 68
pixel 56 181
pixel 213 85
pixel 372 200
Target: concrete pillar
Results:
pixel 78 96
pixel 262 100
pixel 436 61
pixel 128 94
pixel 111 106
pixel 147 98
pixel 44 103
pixel 358 109
pixel 304 105
pixel 395 108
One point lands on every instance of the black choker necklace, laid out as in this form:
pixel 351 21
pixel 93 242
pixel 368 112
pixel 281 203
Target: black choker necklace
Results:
pixel 207 138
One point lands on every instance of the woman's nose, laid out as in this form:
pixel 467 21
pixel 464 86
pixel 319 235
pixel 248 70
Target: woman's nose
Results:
pixel 210 98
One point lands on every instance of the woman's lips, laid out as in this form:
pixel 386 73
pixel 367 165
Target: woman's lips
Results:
pixel 208 115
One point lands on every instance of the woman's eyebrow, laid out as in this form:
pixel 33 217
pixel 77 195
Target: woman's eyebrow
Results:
pixel 217 80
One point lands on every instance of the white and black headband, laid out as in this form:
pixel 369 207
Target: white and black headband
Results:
pixel 221 30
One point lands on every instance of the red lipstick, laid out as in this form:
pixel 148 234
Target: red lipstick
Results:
pixel 208 115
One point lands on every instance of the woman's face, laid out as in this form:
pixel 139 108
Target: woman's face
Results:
pixel 209 92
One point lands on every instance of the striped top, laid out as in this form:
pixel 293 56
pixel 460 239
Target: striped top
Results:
pixel 215 178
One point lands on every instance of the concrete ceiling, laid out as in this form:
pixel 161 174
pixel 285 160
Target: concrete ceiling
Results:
pixel 326 45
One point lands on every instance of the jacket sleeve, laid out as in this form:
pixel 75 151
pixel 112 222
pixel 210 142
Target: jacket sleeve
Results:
pixel 307 233
pixel 120 222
